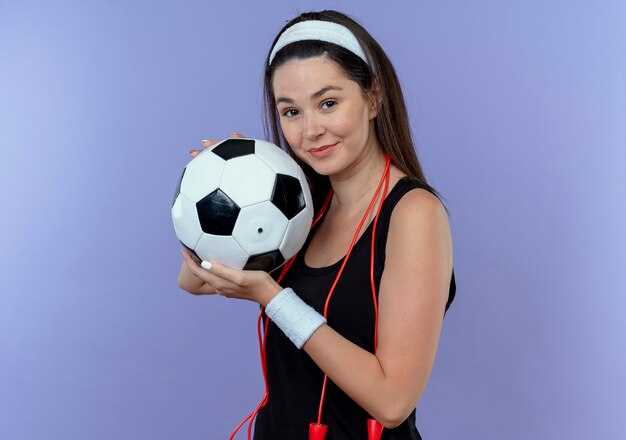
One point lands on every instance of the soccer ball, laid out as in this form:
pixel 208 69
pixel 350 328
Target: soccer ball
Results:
pixel 244 203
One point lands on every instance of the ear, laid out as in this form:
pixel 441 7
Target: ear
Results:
pixel 375 99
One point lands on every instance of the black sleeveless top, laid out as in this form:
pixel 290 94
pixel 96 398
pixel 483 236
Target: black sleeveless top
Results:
pixel 294 380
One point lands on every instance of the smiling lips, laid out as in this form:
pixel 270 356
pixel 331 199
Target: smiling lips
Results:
pixel 322 151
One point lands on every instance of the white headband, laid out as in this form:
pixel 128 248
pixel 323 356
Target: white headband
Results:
pixel 327 31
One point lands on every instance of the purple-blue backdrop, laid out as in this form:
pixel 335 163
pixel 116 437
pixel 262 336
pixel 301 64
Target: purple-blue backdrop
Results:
pixel 519 112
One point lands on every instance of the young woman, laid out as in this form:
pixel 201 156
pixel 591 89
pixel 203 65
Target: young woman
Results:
pixel 354 322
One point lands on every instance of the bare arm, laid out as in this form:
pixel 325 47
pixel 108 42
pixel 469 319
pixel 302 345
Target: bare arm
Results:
pixel 412 298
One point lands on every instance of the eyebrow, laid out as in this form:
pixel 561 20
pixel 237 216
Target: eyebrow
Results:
pixel 313 96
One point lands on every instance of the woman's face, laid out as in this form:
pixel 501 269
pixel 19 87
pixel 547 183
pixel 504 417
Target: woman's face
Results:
pixel 324 115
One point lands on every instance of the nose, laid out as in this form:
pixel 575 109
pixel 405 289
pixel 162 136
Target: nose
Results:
pixel 313 126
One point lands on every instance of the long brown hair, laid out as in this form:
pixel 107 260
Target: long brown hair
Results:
pixel 391 124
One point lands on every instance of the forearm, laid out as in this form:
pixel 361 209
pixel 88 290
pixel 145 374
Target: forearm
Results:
pixel 361 376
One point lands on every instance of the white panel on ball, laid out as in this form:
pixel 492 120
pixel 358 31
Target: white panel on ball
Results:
pixel 202 176
pixel 224 249
pixel 296 234
pixel 276 158
pixel 186 222
pixel 247 180
pixel 260 228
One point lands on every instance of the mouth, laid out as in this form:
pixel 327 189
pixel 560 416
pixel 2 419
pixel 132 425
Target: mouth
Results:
pixel 322 148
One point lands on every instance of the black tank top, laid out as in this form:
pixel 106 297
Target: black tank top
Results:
pixel 294 380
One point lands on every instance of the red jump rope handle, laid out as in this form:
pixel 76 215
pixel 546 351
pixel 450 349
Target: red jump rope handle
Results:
pixel 374 429
pixel 317 432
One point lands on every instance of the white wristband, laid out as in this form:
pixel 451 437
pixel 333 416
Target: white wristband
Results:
pixel 294 317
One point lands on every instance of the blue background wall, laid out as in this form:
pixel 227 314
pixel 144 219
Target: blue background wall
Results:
pixel 519 112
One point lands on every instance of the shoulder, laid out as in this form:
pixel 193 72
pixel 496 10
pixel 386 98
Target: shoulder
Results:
pixel 418 205
pixel 411 198
pixel 419 227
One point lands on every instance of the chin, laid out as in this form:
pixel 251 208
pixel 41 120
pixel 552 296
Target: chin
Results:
pixel 325 169
pixel 327 166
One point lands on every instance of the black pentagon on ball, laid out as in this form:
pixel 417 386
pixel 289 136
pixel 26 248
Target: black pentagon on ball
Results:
pixel 178 186
pixel 217 213
pixel 288 195
pixel 231 148
pixel 267 261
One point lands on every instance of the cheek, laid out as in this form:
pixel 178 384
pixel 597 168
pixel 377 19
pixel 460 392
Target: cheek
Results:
pixel 292 136
pixel 290 133
pixel 344 125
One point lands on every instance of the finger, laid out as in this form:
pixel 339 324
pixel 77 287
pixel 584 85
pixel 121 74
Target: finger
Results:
pixel 187 260
pixel 233 276
pixel 216 282
pixel 234 134
pixel 184 253
pixel 208 143
pixel 192 261
pixel 204 274
pixel 194 153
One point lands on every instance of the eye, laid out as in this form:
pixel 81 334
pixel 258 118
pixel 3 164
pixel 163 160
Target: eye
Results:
pixel 329 103
pixel 289 113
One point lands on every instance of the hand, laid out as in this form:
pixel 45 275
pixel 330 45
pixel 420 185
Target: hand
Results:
pixel 252 285
pixel 209 143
